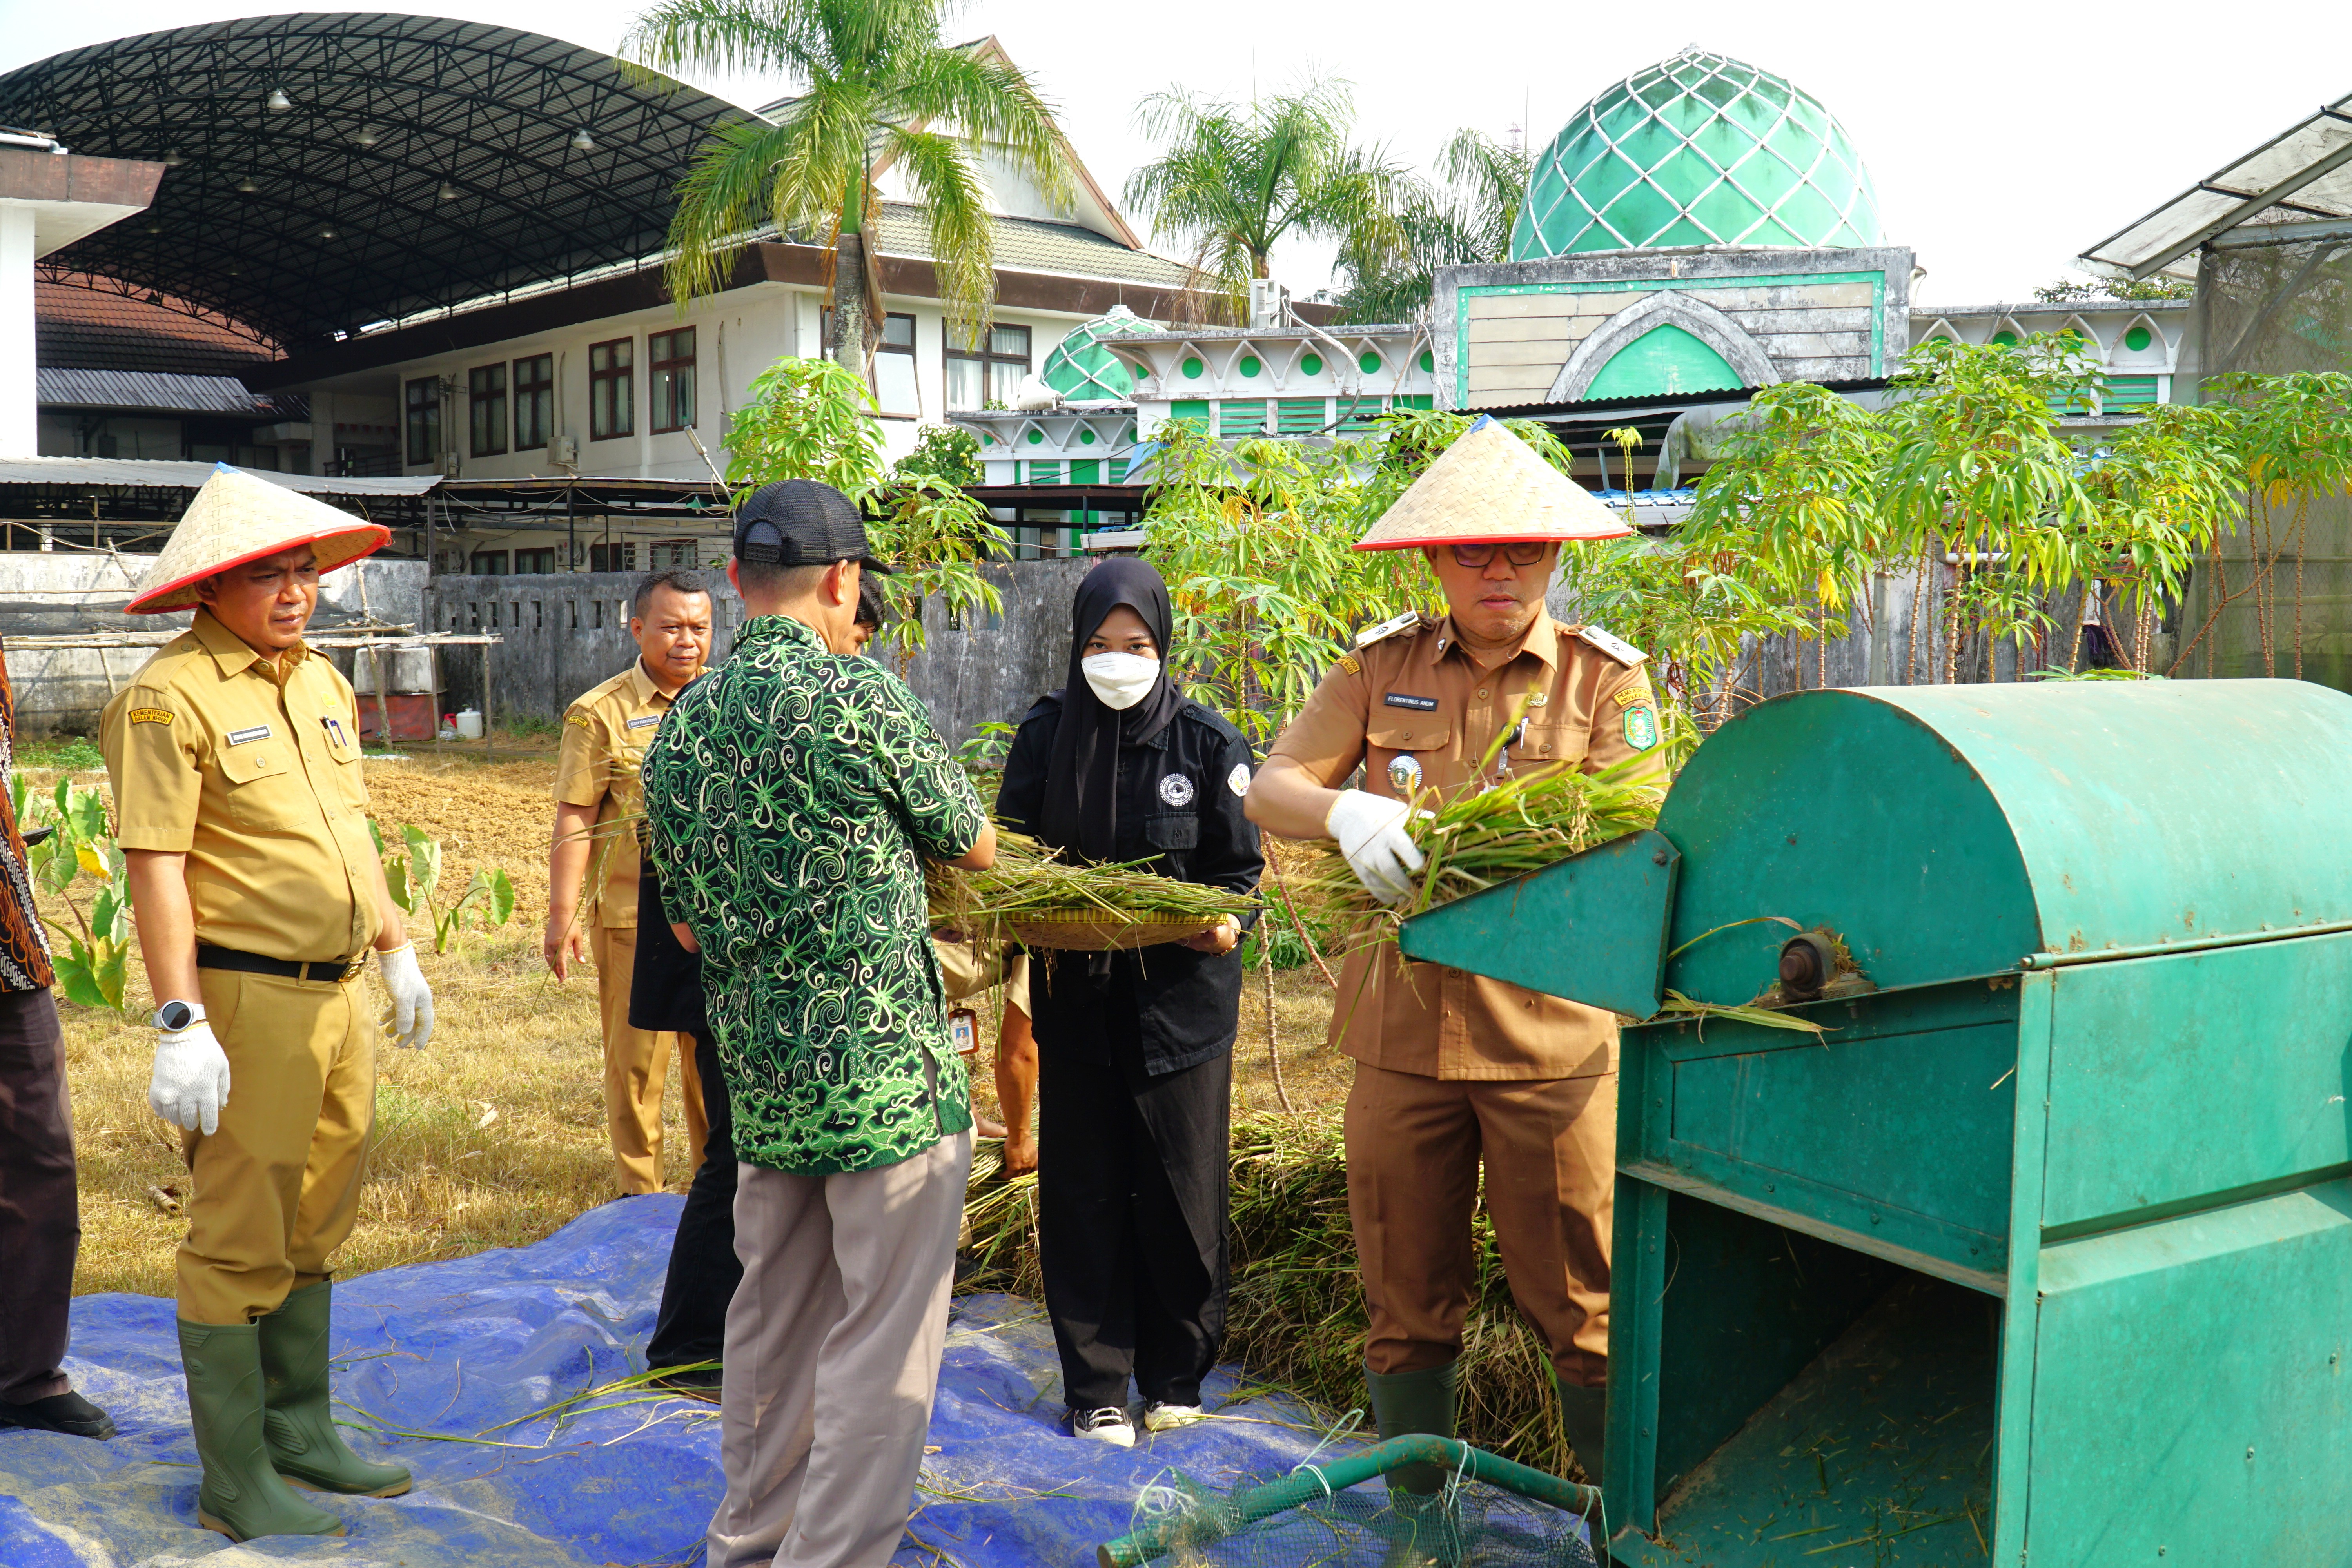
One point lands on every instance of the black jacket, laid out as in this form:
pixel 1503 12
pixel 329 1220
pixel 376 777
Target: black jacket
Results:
pixel 1180 801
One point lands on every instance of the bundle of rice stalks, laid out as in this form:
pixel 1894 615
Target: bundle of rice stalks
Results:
pixel 1032 897
pixel 1483 836
pixel 1296 1317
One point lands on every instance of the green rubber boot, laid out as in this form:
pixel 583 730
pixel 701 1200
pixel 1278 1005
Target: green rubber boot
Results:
pixel 304 1445
pixel 241 1495
pixel 1425 1528
pixel 1584 1417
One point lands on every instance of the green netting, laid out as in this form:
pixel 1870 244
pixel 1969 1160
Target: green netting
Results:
pixel 2276 309
pixel 1697 150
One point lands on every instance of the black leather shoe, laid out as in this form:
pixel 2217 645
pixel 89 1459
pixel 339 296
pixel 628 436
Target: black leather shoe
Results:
pixel 695 1382
pixel 67 1413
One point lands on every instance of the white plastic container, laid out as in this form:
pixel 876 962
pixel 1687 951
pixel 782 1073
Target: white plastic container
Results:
pixel 470 724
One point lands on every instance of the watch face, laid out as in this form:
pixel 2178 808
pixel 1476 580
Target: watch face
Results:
pixel 175 1016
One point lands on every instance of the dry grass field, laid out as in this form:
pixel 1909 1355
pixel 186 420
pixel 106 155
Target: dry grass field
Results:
pixel 493 1136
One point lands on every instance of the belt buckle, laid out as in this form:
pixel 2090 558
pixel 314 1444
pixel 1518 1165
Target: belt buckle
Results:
pixel 352 970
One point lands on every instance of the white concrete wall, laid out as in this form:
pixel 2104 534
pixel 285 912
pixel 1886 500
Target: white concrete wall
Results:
pixel 19 386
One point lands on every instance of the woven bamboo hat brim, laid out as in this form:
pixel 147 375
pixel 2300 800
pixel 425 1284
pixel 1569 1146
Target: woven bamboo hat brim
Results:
pixel 236 518
pixel 1490 488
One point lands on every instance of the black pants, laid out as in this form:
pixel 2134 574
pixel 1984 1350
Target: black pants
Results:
pixel 666 993
pixel 703 1267
pixel 40 1213
pixel 1131 1203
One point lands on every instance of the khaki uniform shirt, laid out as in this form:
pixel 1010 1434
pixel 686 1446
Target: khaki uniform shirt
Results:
pixel 253 772
pixel 1416 693
pixel 604 737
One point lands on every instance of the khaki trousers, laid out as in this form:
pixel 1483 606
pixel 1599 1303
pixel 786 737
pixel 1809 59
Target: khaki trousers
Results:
pixel 1414 1146
pixel 276 1187
pixel 832 1358
pixel 636 1066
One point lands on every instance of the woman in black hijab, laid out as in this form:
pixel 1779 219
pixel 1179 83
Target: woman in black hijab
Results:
pixel 1135 1049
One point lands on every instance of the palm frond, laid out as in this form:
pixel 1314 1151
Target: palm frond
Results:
pixel 955 213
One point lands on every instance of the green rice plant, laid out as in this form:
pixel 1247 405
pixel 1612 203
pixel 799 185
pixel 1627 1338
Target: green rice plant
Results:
pixel 1031 882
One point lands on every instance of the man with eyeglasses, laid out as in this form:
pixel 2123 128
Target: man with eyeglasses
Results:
pixel 1451 1068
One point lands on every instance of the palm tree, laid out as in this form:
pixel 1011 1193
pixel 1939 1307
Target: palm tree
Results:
pixel 1468 219
pixel 1232 181
pixel 876 80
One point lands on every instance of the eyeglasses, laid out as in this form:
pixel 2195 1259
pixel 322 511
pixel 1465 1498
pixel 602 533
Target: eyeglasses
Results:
pixel 1524 552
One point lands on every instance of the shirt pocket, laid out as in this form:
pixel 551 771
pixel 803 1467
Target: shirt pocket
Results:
pixel 1543 743
pixel 350 780
pixel 1427 738
pixel 262 789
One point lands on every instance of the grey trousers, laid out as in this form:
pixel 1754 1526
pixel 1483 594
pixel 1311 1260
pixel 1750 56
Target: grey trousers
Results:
pixel 833 1357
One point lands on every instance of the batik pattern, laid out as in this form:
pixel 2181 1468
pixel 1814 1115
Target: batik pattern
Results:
pixel 24 945
pixel 793 796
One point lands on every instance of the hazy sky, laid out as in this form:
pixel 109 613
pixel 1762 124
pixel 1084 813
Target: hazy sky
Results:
pixel 2003 137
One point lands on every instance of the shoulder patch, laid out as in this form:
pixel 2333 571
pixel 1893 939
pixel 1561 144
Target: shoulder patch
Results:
pixel 1388 628
pixel 1349 663
pixel 1238 781
pixel 1628 697
pixel 1641 727
pixel 151 715
pixel 1618 649
pixel 579 718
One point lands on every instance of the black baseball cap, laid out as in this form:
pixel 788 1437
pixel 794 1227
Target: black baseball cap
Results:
pixel 800 523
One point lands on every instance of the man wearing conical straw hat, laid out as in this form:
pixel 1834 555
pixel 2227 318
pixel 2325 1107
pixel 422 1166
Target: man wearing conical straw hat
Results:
pixel 1451 1068
pixel 239 806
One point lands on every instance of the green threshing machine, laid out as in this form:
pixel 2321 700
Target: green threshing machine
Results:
pixel 2041 1253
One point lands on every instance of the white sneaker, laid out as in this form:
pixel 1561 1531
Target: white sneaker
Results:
pixel 1109 1425
pixel 1159 1417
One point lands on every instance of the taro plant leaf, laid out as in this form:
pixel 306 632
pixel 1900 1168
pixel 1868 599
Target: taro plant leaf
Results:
pixel 20 799
pixel 424 862
pixel 376 836
pixel 502 897
pixel 59 862
pixel 76 976
pixel 109 972
pixel 395 878
pixel 88 812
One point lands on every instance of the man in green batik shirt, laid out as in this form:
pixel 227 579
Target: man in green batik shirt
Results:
pixel 793 795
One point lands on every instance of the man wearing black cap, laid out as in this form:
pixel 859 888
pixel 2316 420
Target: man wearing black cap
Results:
pixel 793 794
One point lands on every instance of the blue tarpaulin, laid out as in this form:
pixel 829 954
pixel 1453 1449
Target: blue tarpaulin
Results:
pixel 453 1369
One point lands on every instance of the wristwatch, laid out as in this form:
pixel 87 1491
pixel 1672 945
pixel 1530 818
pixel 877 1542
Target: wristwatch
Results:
pixel 174 1016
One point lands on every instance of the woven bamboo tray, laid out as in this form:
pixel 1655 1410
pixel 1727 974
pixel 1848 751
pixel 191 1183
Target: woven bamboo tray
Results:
pixel 1076 932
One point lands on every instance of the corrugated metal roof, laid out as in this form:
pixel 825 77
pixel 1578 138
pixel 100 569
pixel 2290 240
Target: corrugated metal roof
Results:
pixel 100 328
pixel 1031 245
pixel 127 473
pixel 161 391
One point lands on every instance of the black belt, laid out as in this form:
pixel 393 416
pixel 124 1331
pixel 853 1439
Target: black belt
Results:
pixel 324 969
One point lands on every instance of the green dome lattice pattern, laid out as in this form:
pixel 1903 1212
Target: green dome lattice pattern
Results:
pixel 1083 371
pixel 1697 150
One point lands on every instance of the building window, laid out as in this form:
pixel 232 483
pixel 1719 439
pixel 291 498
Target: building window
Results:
pixel 612 390
pixel 2128 394
pixel 534 400
pixel 424 420
pixel 485 409
pixel 670 357
pixel 988 378
pixel 1300 416
pixel 670 555
pixel 618 556
pixel 491 564
pixel 534 562
pixel 1242 417
pixel 895 390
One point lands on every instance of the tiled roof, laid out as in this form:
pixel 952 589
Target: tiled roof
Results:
pixel 92 329
pixel 1032 245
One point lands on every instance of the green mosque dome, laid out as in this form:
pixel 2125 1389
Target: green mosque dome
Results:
pixel 1083 371
pixel 1697 150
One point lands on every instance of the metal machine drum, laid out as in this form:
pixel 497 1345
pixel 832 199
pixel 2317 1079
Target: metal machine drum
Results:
pixel 2042 1253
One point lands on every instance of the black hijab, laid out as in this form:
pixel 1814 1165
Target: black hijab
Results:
pixel 1081 810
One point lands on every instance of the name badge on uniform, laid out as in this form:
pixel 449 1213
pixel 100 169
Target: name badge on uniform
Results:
pixel 1406 700
pixel 258 733
pixel 648 722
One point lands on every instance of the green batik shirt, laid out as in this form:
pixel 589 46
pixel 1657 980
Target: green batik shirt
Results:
pixel 793 794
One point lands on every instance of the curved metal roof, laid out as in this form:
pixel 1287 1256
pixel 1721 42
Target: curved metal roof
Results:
pixel 412 163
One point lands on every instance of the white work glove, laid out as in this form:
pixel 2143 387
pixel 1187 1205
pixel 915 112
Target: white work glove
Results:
pixel 191 1081
pixel 1370 831
pixel 411 999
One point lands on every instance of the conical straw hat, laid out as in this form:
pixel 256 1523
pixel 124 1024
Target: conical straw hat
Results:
pixel 1490 488
pixel 236 518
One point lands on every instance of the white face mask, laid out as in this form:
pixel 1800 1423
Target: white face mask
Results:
pixel 1121 680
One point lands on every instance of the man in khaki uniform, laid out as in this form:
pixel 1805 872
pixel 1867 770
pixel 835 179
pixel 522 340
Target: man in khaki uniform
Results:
pixel 597 807
pixel 1451 1068
pixel 241 811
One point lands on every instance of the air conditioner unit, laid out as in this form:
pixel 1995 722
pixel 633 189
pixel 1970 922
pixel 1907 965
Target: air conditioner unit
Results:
pixel 564 451
pixel 449 465
pixel 1267 302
